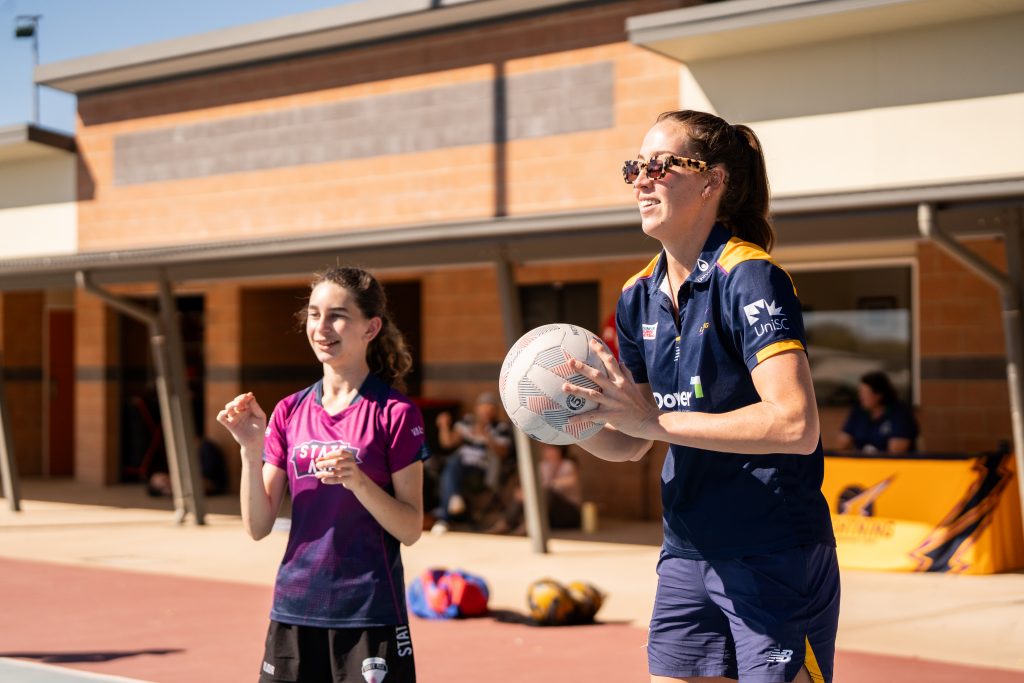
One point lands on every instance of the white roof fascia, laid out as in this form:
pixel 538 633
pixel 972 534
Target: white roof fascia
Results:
pixel 725 29
pixel 330 28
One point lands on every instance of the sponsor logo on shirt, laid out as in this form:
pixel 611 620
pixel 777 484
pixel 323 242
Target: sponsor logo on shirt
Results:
pixel 779 656
pixel 374 669
pixel 417 431
pixel 705 271
pixel 650 331
pixel 305 454
pixel 765 317
pixel 677 399
pixel 698 390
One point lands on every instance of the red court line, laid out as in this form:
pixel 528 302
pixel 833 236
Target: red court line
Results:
pixel 170 629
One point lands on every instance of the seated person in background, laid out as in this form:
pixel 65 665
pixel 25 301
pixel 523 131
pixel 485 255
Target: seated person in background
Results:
pixel 879 423
pixel 211 464
pixel 481 442
pixel 560 482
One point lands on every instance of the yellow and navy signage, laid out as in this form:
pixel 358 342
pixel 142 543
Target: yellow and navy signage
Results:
pixel 956 513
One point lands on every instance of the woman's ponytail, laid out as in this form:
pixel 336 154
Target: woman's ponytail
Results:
pixel 744 207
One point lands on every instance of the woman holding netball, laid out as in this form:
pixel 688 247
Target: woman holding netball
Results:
pixel 350 450
pixel 713 361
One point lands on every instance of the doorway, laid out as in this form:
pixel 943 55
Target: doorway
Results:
pixel 142 441
pixel 60 458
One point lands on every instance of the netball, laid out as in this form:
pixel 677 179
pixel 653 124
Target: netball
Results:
pixel 531 378
pixel 549 603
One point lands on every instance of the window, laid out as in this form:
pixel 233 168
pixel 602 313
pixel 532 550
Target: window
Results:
pixel 574 303
pixel 858 320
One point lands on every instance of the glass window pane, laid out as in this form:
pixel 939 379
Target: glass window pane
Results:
pixel 857 321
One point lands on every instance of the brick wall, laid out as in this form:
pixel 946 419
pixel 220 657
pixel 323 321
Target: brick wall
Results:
pixel 517 117
pixel 97 414
pixel 463 334
pixel 223 349
pixel 964 395
pixel 21 346
pixel 464 341
pixel 398 164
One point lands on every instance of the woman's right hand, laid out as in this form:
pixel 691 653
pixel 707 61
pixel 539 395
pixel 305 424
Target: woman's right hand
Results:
pixel 444 420
pixel 245 419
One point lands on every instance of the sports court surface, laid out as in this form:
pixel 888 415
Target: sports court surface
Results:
pixel 99 593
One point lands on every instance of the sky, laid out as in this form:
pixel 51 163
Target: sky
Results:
pixel 75 28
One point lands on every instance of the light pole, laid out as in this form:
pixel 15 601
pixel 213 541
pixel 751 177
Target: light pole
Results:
pixel 27 26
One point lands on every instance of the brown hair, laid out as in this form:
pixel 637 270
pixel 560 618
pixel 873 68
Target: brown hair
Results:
pixel 880 384
pixel 387 354
pixel 744 205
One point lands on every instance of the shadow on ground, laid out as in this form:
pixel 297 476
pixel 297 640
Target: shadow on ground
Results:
pixel 80 657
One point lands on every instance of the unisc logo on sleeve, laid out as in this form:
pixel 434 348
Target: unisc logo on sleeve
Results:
pixel 650 332
pixel 765 317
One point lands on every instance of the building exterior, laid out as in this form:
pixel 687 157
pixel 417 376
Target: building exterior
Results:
pixel 38 216
pixel 468 152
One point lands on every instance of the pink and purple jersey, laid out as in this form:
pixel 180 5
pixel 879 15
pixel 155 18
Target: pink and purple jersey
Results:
pixel 341 568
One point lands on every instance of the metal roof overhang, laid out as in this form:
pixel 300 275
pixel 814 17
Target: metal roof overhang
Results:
pixel 726 29
pixel 587 235
pixel 590 234
pixel 27 141
pixel 299 34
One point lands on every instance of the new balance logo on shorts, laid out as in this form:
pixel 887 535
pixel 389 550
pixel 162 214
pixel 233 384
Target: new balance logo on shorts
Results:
pixel 780 656
pixel 268 668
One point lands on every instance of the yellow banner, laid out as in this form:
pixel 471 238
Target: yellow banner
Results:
pixel 942 514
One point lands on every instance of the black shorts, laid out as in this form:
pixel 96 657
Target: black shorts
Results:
pixel 330 655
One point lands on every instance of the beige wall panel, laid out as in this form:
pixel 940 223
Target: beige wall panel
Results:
pixel 932 105
pixel 38 214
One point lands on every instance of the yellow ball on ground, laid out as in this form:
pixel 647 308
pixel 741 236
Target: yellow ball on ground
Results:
pixel 587 600
pixel 550 603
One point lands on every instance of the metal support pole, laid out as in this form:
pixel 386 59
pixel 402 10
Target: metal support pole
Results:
pixel 181 406
pixel 534 505
pixel 35 85
pixel 8 465
pixel 1009 287
pixel 28 27
pixel 180 484
pixel 177 444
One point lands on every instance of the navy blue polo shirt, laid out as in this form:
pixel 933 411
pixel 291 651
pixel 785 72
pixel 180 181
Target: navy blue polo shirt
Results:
pixel 737 309
pixel 872 436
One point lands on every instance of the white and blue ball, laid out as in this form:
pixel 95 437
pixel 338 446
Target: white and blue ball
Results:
pixel 531 378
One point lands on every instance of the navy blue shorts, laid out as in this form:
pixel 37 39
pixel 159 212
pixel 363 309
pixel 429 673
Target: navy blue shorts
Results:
pixel 757 618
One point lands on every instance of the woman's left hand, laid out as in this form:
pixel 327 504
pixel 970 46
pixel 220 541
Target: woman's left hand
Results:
pixel 622 404
pixel 340 467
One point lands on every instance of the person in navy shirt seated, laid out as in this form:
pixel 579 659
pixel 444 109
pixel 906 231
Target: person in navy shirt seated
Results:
pixel 879 423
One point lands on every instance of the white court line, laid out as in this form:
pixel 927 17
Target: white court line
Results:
pixel 18 671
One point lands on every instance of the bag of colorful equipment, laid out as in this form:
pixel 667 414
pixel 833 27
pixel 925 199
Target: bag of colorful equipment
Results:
pixel 447 594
